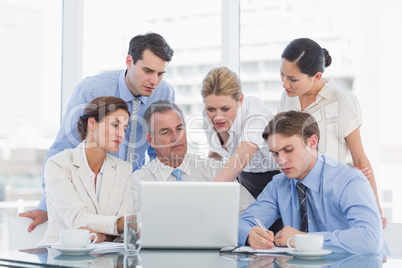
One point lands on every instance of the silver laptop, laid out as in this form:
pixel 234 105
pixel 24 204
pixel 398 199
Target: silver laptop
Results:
pixel 202 215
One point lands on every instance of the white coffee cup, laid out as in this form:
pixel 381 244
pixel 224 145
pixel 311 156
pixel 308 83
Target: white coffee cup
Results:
pixel 76 238
pixel 307 242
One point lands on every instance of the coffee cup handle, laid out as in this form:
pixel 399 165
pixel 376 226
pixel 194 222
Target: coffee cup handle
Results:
pixel 95 238
pixel 289 241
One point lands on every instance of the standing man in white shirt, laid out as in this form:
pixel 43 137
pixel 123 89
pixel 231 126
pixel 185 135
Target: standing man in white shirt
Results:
pixel 166 133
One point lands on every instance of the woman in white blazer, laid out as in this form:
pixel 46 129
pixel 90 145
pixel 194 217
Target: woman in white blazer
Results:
pixel 86 187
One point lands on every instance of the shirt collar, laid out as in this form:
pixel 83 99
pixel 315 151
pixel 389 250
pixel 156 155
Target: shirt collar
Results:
pixel 313 178
pixel 165 171
pixel 185 165
pixel 84 157
pixel 326 90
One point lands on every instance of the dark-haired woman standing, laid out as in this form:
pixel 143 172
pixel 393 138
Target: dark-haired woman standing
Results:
pixel 336 111
pixel 86 187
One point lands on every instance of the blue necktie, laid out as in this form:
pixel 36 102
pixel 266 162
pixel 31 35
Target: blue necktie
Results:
pixel 177 173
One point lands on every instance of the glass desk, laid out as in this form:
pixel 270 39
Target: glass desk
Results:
pixel 42 257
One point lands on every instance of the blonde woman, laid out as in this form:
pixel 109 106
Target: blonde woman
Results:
pixel 86 187
pixel 234 125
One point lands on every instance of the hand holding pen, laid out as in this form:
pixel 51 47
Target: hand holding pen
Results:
pixel 259 222
pixel 260 238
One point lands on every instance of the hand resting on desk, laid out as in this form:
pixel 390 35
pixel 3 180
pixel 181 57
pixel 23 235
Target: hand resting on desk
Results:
pixel 105 237
pixel 281 238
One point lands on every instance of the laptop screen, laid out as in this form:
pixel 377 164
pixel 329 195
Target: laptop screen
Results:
pixel 189 214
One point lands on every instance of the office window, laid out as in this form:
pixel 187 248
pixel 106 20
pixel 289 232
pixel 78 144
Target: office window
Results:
pixel 387 196
pixel 251 88
pixel 389 213
pixel 30 60
pixel 271 66
pixel 250 67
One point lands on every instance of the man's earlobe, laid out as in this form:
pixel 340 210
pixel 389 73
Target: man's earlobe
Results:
pixel 149 138
pixel 129 60
pixel 313 140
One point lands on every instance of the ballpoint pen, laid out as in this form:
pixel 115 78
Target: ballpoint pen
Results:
pixel 260 224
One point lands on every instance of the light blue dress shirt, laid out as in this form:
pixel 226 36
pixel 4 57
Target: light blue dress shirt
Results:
pixel 341 207
pixel 106 84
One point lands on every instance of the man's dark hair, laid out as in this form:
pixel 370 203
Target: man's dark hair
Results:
pixel 292 123
pixel 152 41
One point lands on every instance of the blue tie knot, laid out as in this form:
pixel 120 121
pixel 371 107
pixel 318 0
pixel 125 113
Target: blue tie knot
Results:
pixel 177 173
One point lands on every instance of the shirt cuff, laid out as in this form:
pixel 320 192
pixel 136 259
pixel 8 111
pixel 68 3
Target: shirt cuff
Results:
pixel 115 225
pixel 42 204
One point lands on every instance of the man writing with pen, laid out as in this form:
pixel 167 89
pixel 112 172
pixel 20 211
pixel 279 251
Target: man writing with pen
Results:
pixel 314 194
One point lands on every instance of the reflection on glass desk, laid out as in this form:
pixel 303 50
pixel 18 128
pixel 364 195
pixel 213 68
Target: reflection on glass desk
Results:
pixel 186 258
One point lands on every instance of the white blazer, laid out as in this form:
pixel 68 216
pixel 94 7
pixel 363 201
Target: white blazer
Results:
pixel 71 199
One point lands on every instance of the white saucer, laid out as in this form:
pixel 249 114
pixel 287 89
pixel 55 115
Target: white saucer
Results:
pixel 74 251
pixel 309 255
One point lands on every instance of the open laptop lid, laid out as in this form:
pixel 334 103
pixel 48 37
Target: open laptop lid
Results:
pixel 202 215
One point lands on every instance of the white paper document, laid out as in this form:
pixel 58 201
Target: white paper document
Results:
pixel 108 247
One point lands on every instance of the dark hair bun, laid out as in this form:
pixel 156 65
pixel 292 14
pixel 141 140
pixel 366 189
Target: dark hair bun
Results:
pixel 327 58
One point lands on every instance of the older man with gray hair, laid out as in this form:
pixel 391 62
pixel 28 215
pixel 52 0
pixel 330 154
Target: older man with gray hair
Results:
pixel 166 133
